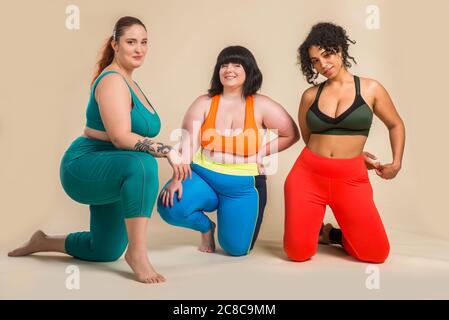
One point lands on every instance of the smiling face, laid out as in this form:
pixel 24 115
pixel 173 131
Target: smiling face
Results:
pixel 131 47
pixel 232 75
pixel 326 63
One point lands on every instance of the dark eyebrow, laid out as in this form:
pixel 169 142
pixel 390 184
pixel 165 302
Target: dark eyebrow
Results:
pixel 321 53
pixel 136 39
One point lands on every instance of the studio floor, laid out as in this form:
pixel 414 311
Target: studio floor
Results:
pixel 418 268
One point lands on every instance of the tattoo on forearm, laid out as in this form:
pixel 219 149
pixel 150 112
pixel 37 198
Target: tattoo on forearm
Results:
pixel 154 148
pixel 164 149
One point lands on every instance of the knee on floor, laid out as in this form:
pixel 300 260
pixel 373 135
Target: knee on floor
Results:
pixel 299 255
pixel 234 249
pixel 379 255
pixel 109 253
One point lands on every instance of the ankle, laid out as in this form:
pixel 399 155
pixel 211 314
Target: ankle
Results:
pixel 138 251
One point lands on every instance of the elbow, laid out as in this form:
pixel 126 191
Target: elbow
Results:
pixel 117 142
pixel 398 125
pixel 292 139
pixel 297 136
pixel 401 123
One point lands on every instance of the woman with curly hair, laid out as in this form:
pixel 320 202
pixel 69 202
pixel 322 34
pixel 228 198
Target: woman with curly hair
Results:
pixel 335 118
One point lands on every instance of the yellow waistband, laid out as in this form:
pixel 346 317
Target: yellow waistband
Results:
pixel 236 169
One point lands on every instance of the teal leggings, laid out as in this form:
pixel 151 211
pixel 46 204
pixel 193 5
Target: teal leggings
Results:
pixel 117 185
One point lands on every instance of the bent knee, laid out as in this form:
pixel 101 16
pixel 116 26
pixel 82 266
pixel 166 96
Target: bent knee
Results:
pixel 109 255
pixel 236 252
pixel 299 256
pixel 299 253
pixel 378 254
pixel 171 215
pixel 142 164
pixel 234 249
pixel 375 257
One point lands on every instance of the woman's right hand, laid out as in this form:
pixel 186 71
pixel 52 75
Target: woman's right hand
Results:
pixel 168 193
pixel 181 170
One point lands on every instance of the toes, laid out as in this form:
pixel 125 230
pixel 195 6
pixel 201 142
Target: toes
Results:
pixel 207 249
pixel 14 253
pixel 148 280
pixel 155 279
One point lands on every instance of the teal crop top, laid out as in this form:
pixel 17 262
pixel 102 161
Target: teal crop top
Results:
pixel 356 120
pixel 143 121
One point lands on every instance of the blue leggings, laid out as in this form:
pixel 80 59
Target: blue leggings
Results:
pixel 239 201
pixel 117 185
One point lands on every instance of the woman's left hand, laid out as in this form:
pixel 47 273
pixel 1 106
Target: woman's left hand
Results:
pixel 388 171
pixel 371 161
pixel 181 170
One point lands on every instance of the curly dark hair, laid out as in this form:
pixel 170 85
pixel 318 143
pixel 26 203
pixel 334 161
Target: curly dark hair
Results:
pixel 328 36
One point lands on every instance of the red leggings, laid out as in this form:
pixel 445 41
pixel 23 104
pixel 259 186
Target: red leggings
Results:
pixel 343 184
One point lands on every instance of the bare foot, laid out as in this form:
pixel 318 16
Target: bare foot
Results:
pixel 142 268
pixel 35 244
pixel 208 240
pixel 324 234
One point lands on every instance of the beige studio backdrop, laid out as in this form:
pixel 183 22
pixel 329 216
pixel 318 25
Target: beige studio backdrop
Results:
pixel 47 69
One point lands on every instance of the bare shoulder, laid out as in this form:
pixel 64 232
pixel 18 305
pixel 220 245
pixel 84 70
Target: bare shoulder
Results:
pixel 310 93
pixel 112 82
pixel 370 86
pixel 201 103
pixel 202 99
pixel 308 96
pixel 199 107
pixel 264 102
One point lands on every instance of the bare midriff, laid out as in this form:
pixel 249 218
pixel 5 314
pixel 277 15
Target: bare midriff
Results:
pixel 336 146
pixel 227 158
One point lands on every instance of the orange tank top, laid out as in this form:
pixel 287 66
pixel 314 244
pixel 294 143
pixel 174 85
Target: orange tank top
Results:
pixel 244 144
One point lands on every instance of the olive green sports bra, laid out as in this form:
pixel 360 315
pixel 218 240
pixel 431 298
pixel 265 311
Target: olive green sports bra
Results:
pixel 356 120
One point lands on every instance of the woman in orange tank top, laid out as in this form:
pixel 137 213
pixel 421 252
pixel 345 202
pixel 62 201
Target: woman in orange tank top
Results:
pixel 225 147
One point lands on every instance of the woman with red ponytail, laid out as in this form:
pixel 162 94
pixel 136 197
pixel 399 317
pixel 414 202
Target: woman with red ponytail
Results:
pixel 112 166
